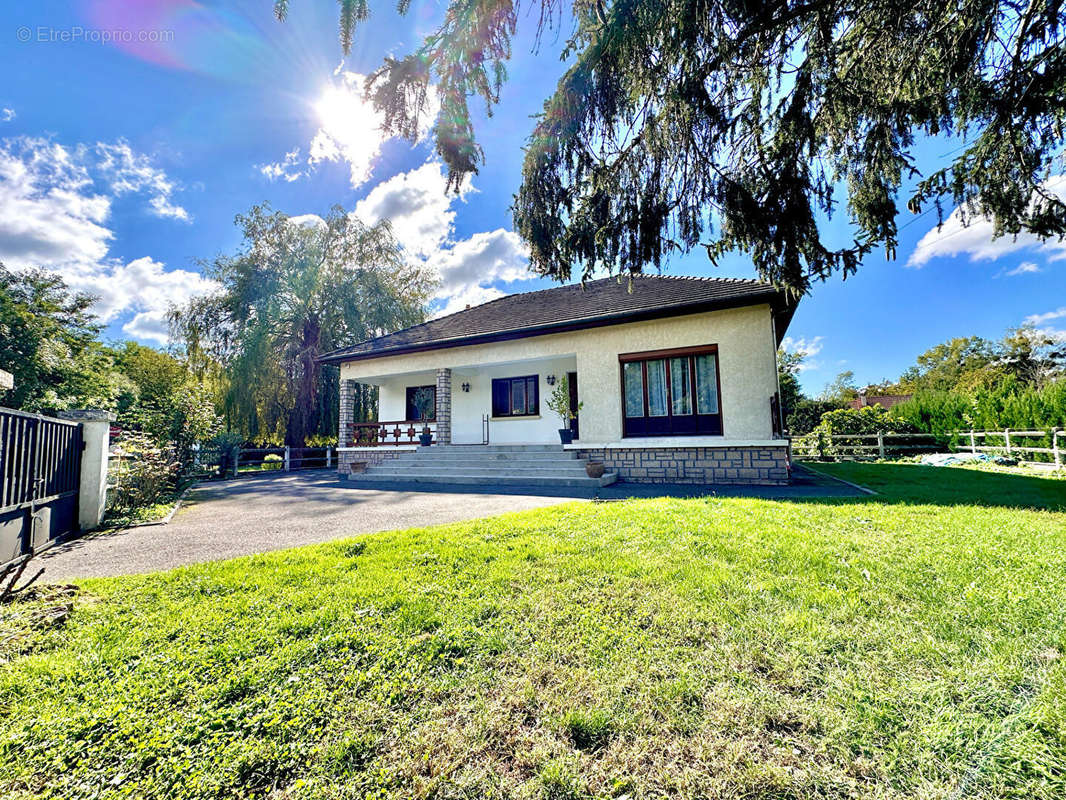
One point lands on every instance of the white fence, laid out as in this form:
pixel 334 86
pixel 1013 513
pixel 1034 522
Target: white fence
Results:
pixel 1016 444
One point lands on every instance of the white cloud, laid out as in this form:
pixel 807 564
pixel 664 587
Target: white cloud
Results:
pixel 974 237
pixel 149 326
pixel 143 284
pixel 288 169
pixel 422 214
pixel 308 221
pixel 55 204
pixel 49 209
pixel 418 206
pixel 130 172
pixel 7 114
pixel 1040 319
pixel 484 258
pixel 1025 268
pixel 473 296
pixel 349 130
pixel 808 348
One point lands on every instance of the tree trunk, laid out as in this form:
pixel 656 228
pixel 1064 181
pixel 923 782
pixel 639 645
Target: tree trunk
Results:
pixel 303 422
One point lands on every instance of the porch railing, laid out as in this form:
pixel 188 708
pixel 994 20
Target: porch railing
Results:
pixel 384 434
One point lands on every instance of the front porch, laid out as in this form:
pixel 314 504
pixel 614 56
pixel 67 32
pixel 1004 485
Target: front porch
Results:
pixel 503 403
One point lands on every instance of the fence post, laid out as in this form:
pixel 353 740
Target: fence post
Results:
pixel 329 457
pixel 287 464
pixel 92 483
pixel 881 445
pixel 1055 446
pixel 973 442
pixel 1006 436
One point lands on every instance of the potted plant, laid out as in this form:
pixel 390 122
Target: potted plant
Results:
pixel 559 403
pixel 424 399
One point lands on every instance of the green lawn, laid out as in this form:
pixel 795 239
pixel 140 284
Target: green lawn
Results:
pixel 903 645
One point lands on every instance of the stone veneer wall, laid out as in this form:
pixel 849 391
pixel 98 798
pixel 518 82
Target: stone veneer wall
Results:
pixel 722 465
pixel 347 411
pixel 444 406
pixel 346 457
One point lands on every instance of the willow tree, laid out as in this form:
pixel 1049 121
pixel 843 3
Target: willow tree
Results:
pixel 296 289
pixel 681 123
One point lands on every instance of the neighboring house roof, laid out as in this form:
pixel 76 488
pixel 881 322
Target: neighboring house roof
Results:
pixel 886 401
pixel 607 301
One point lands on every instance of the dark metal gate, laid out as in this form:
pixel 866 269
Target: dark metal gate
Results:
pixel 40 467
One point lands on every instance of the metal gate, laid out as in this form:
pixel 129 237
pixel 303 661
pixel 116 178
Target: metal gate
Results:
pixel 40 467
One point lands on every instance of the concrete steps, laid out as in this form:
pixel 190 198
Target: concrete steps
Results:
pixel 485 465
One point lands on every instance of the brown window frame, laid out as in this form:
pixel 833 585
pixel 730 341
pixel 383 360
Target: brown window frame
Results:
pixel 510 381
pixel 702 424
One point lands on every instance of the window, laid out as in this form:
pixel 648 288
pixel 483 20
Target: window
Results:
pixel 515 397
pixel 671 392
pixel 412 407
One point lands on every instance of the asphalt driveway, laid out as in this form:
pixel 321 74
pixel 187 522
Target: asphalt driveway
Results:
pixel 258 514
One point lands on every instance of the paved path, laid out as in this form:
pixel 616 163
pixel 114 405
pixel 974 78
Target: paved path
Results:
pixel 254 515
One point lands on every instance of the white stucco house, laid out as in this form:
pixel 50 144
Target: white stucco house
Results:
pixel 676 377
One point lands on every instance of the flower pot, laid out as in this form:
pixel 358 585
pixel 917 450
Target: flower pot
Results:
pixel 595 469
pixel 566 436
pixel 425 439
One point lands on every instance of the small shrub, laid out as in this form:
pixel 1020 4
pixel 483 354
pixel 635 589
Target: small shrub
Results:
pixel 272 461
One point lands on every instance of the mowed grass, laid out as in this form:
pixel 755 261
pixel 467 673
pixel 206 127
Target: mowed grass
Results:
pixel 904 645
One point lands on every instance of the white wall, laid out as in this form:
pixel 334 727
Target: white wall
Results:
pixel 468 408
pixel 746 358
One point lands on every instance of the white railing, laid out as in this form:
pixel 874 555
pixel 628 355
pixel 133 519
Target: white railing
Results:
pixel 1012 446
pixel 859 446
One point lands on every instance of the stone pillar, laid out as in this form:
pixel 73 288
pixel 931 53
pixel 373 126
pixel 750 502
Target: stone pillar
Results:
pixel 347 411
pixel 444 406
pixel 92 486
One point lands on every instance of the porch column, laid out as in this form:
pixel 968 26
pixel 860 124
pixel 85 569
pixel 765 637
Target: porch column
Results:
pixel 444 406
pixel 347 412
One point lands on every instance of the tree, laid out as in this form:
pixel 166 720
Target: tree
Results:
pixel 788 369
pixel 291 294
pixel 48 341
pixel 680 118
pixel 841 390
pixel 959 363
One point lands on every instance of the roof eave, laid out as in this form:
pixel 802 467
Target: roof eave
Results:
pixel 774 297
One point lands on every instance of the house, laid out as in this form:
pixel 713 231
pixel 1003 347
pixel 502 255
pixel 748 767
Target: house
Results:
pixel 886 401
pixel 676 379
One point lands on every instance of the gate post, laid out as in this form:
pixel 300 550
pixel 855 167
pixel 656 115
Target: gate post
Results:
pixel 92 485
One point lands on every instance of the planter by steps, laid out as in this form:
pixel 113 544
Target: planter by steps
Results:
pixel 595 469
pixel 566 436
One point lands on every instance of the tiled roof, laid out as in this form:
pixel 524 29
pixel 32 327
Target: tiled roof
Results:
pixel 606 301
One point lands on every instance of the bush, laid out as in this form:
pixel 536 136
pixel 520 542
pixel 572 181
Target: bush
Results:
pixel 807 414
pixel 272 461
pixel 143 476
pixel 844 421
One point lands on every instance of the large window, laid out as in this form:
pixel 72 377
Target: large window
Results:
pixel 671 392
pixel 412 407
pixel 515 397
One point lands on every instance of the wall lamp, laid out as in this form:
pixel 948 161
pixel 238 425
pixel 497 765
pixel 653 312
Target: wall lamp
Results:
pixel 466 387
pixel 550 380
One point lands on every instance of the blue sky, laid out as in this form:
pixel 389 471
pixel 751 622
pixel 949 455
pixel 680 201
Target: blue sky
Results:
pixel 131 133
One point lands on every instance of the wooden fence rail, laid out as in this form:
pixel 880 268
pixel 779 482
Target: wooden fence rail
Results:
pixel 859 446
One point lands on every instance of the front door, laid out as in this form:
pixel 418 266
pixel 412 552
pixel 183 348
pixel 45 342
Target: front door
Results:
pixel 571 378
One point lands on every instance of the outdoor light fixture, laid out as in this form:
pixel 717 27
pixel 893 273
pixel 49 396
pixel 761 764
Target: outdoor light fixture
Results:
pixel 466 387
pixel 551 380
